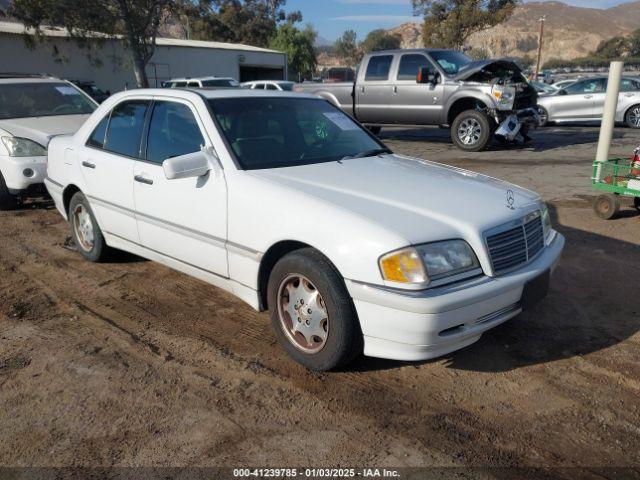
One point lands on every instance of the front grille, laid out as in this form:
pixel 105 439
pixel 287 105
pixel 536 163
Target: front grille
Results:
pixel 516 246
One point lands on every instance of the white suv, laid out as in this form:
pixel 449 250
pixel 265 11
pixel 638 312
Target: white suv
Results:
pixel 291 205
pixel 204 82
pixel 32 111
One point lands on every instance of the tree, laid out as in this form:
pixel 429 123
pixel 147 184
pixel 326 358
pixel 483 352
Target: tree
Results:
pixel 252 22
pixel 346 48
pixel 299 46
pixel 136 21
pixel 380 39
pixel 448 23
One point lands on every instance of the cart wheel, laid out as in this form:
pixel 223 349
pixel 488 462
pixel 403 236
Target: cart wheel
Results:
pixel 636 203
pixel 607 206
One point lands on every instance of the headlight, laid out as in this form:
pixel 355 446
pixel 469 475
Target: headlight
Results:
pixel 504 96
pixel 427 263
pixel 546 224
pixel 23 147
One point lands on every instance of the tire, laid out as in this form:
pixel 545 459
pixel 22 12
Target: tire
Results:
pixel 607 206
pixel 7 200
pixel 632 117
pixel 636 203
pixel 471 131
pixel 87 236
pixel 544 117
pixel 375 130
pixel 317 287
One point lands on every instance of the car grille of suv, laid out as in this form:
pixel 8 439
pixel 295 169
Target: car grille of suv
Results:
pixel 516 246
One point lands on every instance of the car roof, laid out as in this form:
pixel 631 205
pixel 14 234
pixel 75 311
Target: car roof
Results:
pixel 209 94
pixel 188 79
pixel 269 81
pixel 31 80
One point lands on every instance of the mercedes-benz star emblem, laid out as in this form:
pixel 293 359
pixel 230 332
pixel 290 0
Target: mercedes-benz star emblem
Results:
pixel 511 199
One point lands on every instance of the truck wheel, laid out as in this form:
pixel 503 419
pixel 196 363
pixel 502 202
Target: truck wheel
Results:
pixel 607 206
pixel 632 118
pixel 311 311
pixel 7 201
pixel 375 130
pixel 85 230
pixel 471 131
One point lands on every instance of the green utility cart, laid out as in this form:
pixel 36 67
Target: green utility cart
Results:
pixel 615 178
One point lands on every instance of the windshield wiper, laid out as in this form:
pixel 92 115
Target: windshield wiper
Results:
pixel 367 153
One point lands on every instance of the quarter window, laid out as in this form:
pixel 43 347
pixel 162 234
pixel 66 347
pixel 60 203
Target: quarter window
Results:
pixel 173 131
pixel 410 65
pixel 379 68
pixel 125 128
pixel 97 138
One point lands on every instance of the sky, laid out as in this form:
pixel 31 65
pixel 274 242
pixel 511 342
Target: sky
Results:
pixel 332 17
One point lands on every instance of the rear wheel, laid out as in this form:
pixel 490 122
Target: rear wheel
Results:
pixel 85 230
pixel 544 116
pixel 7 200
pixel 632 118
pixel 311 311
pixel 471 131
pixel 636 203
pixel 607 206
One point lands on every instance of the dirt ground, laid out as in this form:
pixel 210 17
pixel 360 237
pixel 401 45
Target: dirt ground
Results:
pixel 131 364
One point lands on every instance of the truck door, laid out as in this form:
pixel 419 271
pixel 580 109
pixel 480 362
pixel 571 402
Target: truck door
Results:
pixel 373 90
pixel 414 103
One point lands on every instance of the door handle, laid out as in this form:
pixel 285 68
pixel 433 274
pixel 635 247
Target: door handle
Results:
pixel 89 165
pixel 588 96
pixel 629 94
pixel 395 89
pixel 362 88
pixel 141 179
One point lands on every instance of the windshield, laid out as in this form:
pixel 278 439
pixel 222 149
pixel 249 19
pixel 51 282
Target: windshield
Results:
pixel 272 132
pixel 221 82
pixel 22 100
pixel 450 61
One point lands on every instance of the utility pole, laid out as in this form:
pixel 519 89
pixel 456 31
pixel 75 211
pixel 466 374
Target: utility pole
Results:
pixel 541 20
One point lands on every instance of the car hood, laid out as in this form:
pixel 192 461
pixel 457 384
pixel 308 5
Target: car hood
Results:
pixel 472 68
pixel 43 129
pixel 421 201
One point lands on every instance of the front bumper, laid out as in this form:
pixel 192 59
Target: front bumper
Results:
pixel 512 125
pixel 422 325
pixel 13 170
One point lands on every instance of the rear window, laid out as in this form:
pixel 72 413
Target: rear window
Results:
pixel 23 100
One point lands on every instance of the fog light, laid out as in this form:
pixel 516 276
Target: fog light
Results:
pixel 27 172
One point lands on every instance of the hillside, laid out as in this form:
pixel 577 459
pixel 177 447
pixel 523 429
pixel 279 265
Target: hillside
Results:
pixel 570 32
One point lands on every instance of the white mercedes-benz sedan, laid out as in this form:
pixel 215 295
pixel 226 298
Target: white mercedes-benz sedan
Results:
pixel 290 204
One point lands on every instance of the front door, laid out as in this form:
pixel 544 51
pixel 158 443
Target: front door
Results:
pixel 415 103
pixel 107 166
pixel 373 92
pixel 183 219
pixel 579 101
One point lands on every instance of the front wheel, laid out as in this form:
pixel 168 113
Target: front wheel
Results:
pixel 311 311
pixel 85 230
pixel 607 206
pixel 544 117
pixel 471 131
pixel 632 118
pixel 7 201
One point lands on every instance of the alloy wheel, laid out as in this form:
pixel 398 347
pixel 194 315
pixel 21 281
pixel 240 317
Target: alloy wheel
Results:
pixel 469 131
pixel 83 227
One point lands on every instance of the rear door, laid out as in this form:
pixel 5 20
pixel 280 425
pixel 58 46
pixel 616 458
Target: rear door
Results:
pixel 184 219
pixel 107 163
pixel 373 91
pixel 415 103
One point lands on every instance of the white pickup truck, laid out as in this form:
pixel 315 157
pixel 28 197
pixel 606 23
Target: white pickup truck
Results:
pixel 288 203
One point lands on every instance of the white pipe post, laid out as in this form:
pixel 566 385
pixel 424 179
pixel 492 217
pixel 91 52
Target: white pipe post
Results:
pixel 610 107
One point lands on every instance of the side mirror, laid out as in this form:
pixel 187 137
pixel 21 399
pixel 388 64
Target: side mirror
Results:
pixel 192 165
pixel 425 75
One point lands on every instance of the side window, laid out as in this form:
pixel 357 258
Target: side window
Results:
pixel 586 87
pixel 173 131
pixel 193 85
pixel 378 68
pixel 97 138
pixel 629 85
pixel 410 65
pixel 178 84
pixel 125 128
pixel 259 86
pixel 271 86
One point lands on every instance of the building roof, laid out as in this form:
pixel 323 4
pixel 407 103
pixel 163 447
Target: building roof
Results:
pixel 19 29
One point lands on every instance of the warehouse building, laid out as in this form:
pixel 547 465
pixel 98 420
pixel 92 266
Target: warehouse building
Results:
pixel 110 66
